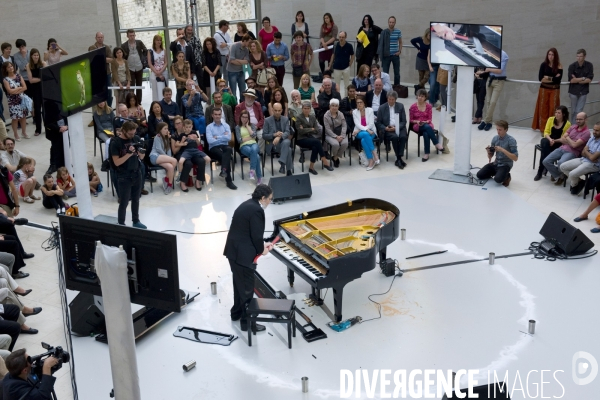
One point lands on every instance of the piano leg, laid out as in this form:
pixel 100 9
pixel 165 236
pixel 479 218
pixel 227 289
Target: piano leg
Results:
pixel 291 277
pixel 338 295
pixel 316 296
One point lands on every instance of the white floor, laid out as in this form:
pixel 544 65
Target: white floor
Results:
pixel 450 318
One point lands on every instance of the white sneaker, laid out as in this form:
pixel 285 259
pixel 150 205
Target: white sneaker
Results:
pixel 62 210
pixel 377 162
pixel 252 176
pixel 168 190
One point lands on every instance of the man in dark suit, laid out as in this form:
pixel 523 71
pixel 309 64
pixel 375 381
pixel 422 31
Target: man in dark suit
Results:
pixel 181 45
pixel 377 96
pixel 386 123
pixel 244 243
pixel 276 134
pixel 16 384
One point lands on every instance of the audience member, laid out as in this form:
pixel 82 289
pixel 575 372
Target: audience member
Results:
pixel 341 60
pixel 278 97
pixel 390 48
pixel 420 116
pixel 134 52
pixel 589 162
pixel 328 33
pixel 56 125
pixel 109 57
pixel 478 89
pixel 181 71
pixel 180 140
pixel 21 58
pixel 328 74
pixel 361 81
pixel 295 107
pixel 94 180
pixel 365 55
pixel 196 44
pixel 103 117
pixel 6 48
pixel 169 107
pixel 326 95
pixel 121 75
pixel 34 87
pixel 226 116
pixel 251 83
pixel 161 155
pixel 422 44
pixel 334 123
pixel 301 53
pixel 218 136
pixel 505 147
pixel 391 126
pixel 556 128
pixel 377 73
pixel 191 149
pixel 14 86
pixel 277 137
pixel 52 56
pixel 179 44
pixel 307 92
pixel 224 43
pixel 245 134
pixel 594 204
pixel 256 115
pixel 238 57
pixel 258 61
pixel 9 196
pixel 16 383
pixel 66 183
pixel 377 96
pixel 580 73
pixel 52 195
pixel 348 105
pixel 300 25
pixel 192 102
pixel 548 99
pixel 10 157
pixel 267 34
pixel 242 30
pixel 157 62
pixel 365 131
pixel 278 54
pixel 495 85
pixel 136 112
pixel 24 180
pixel 308 135
pixel 211 60
pixel 443 76
pixel 434 87
pixel 157 115
pixel 272 84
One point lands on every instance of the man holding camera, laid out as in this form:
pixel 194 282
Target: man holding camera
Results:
pixel 505 147
pixel 17 384
pixel 126 155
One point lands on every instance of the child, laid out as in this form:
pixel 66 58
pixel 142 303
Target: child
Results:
pixel 25 184
pixel 95 184
pixel 191 149
pixel 52 195
pixel 65 183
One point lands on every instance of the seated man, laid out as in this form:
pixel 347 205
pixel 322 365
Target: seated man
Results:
pixel 376 97
pixel 9 325
pixel 10 158
pixel 572 143
pixel 169 107
pixel 505 147
pixel 347 105
pixel 16 384
pixel 192 101
pixel 122 116
pixel 257 117
pixel 226 115
pixel 386 126
pixel 228 98
pixel 588 162
pixel 251 83
pixel 218 136
pixel 377 73
pixel 325 97
pixel 276 135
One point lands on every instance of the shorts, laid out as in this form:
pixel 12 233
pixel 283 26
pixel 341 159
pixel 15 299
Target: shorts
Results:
pixel 22 191
pixel 153 158
pixel 189 153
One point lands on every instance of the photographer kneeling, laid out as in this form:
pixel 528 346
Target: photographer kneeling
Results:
pixel 505 147
pixel 18 384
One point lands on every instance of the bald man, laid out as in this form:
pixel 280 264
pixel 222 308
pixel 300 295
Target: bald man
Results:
pixel 99 44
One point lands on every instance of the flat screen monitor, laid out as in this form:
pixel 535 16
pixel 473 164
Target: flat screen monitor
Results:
pixel 77 83
pixel 155 255
pixel 471 45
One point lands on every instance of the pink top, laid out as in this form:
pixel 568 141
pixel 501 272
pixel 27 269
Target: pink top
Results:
pixel 417 115
pixel 576 134
pixel 53 58
pixel 267 37
pixel 363 120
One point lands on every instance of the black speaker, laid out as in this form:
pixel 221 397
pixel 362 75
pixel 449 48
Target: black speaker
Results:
pixel 86 317
pixel 483 392
pixel 291 187
pixel 567 239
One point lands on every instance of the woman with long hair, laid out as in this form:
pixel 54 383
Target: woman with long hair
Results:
pixel 103 116
pixel 301 26
pixel 548 100
pixel 307 91
pixel 211 61
pixel 157 62
pixel 258 61
pixel 35 87
pixel 181 72
pixel 329 32
pixel 272 84
pixel 365 131
pixel 278 96
pixel 120 74
pixel 245 133
pixel 15 87
pixel 365 55
pixel 556 127
pixel 362 81
pixel 242 30
pixel 162 155
pixel 423 44
pixel 52 56
pixel 156 117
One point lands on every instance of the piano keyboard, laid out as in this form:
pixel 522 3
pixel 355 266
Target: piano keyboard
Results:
pixel 294 256
pixel 486 59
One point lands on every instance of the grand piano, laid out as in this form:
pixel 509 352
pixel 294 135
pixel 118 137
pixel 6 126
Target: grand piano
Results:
pixel 333 246
pixel 477 45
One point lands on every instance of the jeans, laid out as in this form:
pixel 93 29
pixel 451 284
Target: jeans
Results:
pixel 313 144
pixel 251 151
pixel 500 174
pixel 434 86
pixel 577 167
pixel 559 156
pixel 199 123
pixel 428 134
pixel 109 97
pixel 236 79
pixel 577 104
pixel 130 188
pixel 386 67
pixel 366 140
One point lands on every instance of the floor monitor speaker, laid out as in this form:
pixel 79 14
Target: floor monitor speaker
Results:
pixel 567 239
pixel 290 187
pixel 86 317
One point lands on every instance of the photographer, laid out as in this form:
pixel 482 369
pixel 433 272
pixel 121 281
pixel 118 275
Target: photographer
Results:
pixel 505 147
pixel 18 384
pixel 126 153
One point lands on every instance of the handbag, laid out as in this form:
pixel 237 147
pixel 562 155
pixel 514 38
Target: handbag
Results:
pixel 337 130
pixel 263 75
pixel 401 90
pixel 26 102
pixel 362 159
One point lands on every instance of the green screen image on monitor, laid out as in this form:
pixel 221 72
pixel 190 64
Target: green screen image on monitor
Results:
pixel 76 84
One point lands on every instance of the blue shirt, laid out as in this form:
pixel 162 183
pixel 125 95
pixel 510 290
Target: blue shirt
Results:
pixel 217 135
pixel 385 79
pixel 281 50
pixel 593 146
pixel 394 36
pixel 508 143
pixel 503 62
pixel 195 110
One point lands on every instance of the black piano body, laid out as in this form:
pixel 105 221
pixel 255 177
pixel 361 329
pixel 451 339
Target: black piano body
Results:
pixel 490 40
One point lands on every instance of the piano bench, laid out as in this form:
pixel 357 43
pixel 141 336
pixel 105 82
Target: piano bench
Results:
pixel 281 309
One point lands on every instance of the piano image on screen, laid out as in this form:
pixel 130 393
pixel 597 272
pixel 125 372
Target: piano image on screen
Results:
pixel 472 45
pixel 333 246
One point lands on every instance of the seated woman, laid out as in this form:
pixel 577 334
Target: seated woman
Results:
pixel 136 112
pixel 309 136
pixel 161 155
pixel 156 116
pixel 361 81
pixel 245 134
pixel 595 203
pixel 307 92
pixel 10 243
pixel 179 141
pixel 103 120
pixel 335 131
pixel 420 115
pixel 295 107
pixel 364 130
pixel 279 97
pixel 9 289
pixel 272 84
pixel 556 127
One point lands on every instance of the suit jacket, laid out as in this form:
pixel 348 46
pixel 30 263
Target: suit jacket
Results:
pixel 245 237
pixel 139 46
pixel 175 48
pixel 383 119
pixel 14 388
pixel 228 115
pixel 371 94
pixel 269 130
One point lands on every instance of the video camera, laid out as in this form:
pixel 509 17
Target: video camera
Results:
pixel 140 147
pixel 37 362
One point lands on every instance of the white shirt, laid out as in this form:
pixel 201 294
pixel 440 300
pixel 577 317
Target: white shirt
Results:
pixel 375 105
pixel 221 37
pixel 392 117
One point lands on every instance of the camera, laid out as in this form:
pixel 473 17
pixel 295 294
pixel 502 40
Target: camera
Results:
pixel 492 149
pixel 139 147
pixel 37 362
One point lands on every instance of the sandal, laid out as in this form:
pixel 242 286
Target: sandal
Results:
pixel 28 199
pixel 35 197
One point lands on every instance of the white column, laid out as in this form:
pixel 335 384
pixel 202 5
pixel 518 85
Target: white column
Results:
pixel 464 109
pixel 79 161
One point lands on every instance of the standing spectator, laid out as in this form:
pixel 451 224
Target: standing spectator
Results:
pixel 390 48
pixel 494 88
pixel 218 136
pixel 505 147
pixel 389 116
pixel 377 73
pixel 223 44
pixel 334 123
pixel 181 72
pixel 15 87
pixel 211 61
pixel 97 45
pixel 420 116
pixel 278 54
pixel 329 32
pixel 55 125
pixel 258 61
pixel 341 60
pixel 192 102
pixel 556 128
pixel 548 100
pixel 443 76
pixel 580 73
pixel 127 161
pixel 120 74
pixel 238 57
pixel 181 45
pixel 134 52
pixel 423 44
pixel 589 162
pixel 266 34
pixel 361 81
pixel 366 55
pixel 157 62
pixel 300 25
pixel 434 87
pixel 52 56
pixel 242 30
pixel 21 58
pixel 34 67
pixel 6 48
pixel 196 44
pixel 478 89
pixel 301 57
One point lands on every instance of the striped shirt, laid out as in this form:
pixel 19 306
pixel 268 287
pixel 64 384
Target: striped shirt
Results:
pixel 395 35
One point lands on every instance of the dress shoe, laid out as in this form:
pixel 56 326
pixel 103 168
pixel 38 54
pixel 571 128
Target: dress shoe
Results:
pixel 289 173
pixel 150 179
pixel 24 294
pixel 36 310
pixel 144 192
pixel 259 327
pixel 595 230
pixel 575 190
pixel 235 318
pixel 481 126
pixel 282 169
pixel 28 255
pixel 507 181
pixel 538 176
pixel 30 331
pixel 223 173
pixel 398 164
pixel 20 275
pixel 231 186
pixel 51 169
pixel 21 221
pixel 559 181
pixel 336 162
pixel 424 159
pixel 487 127
pixel 328 167
pixel 139 225
pixel 312 171
pixel 578 219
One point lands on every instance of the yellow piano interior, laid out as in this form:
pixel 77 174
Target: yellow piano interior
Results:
pixel 341 234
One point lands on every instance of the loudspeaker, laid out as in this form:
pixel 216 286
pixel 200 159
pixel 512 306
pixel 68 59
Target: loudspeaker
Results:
pixel 291 187
pixel 497 391
pixel 86 317
pixel 567 239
